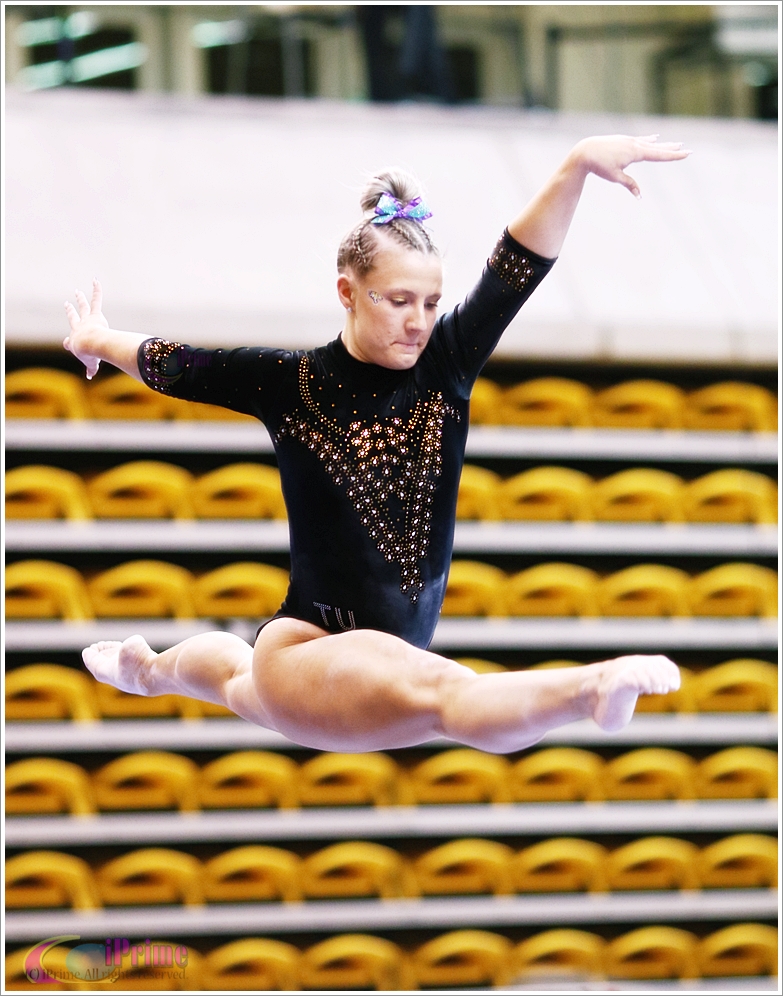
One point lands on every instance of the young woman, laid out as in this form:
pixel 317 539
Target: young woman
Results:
pixel 370 433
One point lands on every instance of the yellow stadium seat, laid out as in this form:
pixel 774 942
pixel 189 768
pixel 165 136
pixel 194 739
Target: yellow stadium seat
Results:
pixel 143 588
pixel 50 691
pixel 749 949
pixel 555 665
pixel 252 873
pixel 213 709
pixel 474 589
pixel 243 589
pixel 485 402
pixel 349 780
pixel 39 392
pixel 465 866
pixel 240 491
pixel 182 972
pixel 148 779
pixel 44 589
pixel 738 773
pixel 653 863
pixel 735 590
pixel 561 953
pixel 645 590
pixel 113 703
pixel 744 861
pixel 151 875
pixel 547 401
pixel 253 963
pixel 142 489
pixel 355 868
pixel 248 779
pixel 123 397
pixel 480 666
pixel 354 961
pixel 731 496
pixel 478 494
pixel 562 864
pixel 650 773
pixel 653 953
pixel 53 961
pixel 459 776
pixel 638 495
pixel 742 685
pixel 212 413
pixel 681 700
pixel 48 878
pixel 48 785
pixel 557 774
pixel 733 406
pixel 553 590
pixel 463 958
pixel 550 493
pixel 639 404
pixel 38 492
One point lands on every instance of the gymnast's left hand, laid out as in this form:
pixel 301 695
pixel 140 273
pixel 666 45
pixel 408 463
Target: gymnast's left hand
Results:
pixel 608 155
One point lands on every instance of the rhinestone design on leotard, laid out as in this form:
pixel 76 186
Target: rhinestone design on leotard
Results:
pixel 155 354
pixel 510 266
pixel 376 460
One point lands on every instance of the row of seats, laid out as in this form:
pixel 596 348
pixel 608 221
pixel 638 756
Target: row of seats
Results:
pixel 154 489
pixel 45 589
pixel 53 692
pixel 457 958
pixel 41 392
pixel 352 869
pixel 248 779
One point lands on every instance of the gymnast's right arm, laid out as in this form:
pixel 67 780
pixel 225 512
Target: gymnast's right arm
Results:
pixel 245 380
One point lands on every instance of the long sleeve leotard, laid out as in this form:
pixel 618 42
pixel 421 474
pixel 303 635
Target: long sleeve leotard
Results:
pixel 369 458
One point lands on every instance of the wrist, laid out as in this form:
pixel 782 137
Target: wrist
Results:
pixel 578 162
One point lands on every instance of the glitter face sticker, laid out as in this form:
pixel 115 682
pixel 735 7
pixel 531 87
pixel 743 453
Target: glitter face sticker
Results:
pixel 375 297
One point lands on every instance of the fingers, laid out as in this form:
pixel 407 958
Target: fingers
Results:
pixel 73 317
pixel 81 301
pixel 97 297
pixel 629 183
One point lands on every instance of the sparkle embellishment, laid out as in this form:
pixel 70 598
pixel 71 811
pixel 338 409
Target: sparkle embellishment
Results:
pixel 155 354
pixel 375 297
pixel 388 208
pixel 375 461
pixel 512 267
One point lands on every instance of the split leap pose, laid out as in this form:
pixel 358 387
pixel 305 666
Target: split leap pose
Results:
pixel 370 434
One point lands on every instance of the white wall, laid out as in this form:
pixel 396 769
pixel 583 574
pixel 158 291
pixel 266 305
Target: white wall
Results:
pixel 216 220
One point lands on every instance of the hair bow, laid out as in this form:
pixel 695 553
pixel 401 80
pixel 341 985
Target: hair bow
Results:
pixel 388 208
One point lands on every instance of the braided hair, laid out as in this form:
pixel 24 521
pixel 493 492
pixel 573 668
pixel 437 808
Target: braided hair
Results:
pixel 360 246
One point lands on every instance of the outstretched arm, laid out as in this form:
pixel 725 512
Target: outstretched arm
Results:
pixel 543 224
pixel 91 340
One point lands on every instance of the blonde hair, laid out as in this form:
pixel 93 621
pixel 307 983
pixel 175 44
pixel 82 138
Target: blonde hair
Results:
pixel 360 246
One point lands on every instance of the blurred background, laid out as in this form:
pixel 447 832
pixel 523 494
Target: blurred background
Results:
pixel 620 496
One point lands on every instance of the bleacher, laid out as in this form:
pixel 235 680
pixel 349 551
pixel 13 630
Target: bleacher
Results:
pixel 603 510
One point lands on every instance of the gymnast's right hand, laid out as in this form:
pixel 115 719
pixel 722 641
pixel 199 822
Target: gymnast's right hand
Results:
pixel 88 327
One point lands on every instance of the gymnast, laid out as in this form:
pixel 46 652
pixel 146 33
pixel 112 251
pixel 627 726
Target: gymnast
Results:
pixel 370 432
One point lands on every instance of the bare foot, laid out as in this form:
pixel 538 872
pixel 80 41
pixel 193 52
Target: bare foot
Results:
pixel 124 665
pixel 622 681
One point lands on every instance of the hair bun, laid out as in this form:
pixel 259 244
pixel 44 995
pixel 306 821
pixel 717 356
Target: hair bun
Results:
pixel 396 182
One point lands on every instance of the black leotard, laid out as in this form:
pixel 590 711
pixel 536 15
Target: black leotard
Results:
pixel 369 458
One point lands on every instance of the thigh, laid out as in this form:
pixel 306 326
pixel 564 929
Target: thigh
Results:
pixel 359 690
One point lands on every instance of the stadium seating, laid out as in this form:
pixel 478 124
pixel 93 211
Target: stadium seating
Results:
pixel 639 404
pixel 48 878
pixel 50 691
pixel 44 589
pixel 465 866
pixel 40 392
pixel 239 491
pixel 249 778
pixel 354 868
pixel 147 780
pixel 151 875
pixel 253 873
pixel 143 489
pixel 562 864
pixel 252 963
pixel 653 953
pixel 40 492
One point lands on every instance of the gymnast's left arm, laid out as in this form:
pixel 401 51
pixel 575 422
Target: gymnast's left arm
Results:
pixel 543 224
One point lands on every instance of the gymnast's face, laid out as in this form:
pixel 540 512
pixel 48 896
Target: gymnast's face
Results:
pixel 391 311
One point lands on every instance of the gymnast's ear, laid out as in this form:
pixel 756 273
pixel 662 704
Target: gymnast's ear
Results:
pixel 346 290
